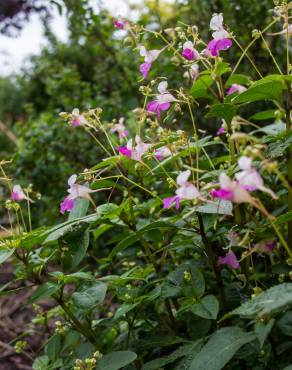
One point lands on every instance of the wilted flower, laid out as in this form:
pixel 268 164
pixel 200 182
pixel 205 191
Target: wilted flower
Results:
pixel 250 179
pixel 162 101
pixel 77 119
pixel 18 194
pixel 265 246
pixel 186 191
pixel 220 36
pixel 149 57
pixel 75 191
pixel 134 152
pixel 189 52
pixel 120 128
pixel 236 88
pixel 230 260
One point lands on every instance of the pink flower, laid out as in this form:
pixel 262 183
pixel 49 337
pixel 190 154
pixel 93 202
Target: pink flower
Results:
pixel 250 179
pixel 120 129
pixel 186 191
pixel 189 52
pixel 77 119
pixel 134 152
pixel 220 36
pixel 75 191
pixel 67 205
pixel 18 194
pixel 119 24
pixel 215 46
pixel 220 131
pixel 236 88
pixel 149 57
pixel 167 202
pixel 162 101
pixel 229 260
pixel 162 153
pixel 145 68
pixel 231 190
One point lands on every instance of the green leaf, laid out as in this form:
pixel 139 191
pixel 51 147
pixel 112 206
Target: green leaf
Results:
pixel 5 253
pixel 273 300
pixel 76 247
pixel 59 231
pixel 267 90
pixel 200 88
pixel 53 347
pixel 207 308
pixel 44 291
pixel 90 296
pixel 221 68
pixel 182 351
pixel 238 79
pixel 226 111
pixel 80 209
pixel 132 238
pixel 41 363
pixel 123 309
pixel 221 207
pixel 220 348
pixel 273 129
pixel 262 116
pixel 115 360
pixel 262 330
pixel 285 324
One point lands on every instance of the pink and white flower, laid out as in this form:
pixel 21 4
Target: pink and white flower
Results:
pixel 149 57
pixel 120 128
pixel 134 151
pixel 189 52
pixel 250 179
pixel 162 153
pixel 186 191
pixel 236 88
pixel 230 260
pixel 75 191
pixel 231 190
pixel 18 194
pixel 162 101
pixel 195 71
pixel 220 36
pixel 77 119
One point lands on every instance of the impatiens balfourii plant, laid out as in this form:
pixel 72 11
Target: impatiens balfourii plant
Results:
pixel 188 263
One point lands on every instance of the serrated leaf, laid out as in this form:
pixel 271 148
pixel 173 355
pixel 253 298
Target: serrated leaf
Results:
pixel 238 79
pixel 262 116
pixel 80 209
pixel 220 348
